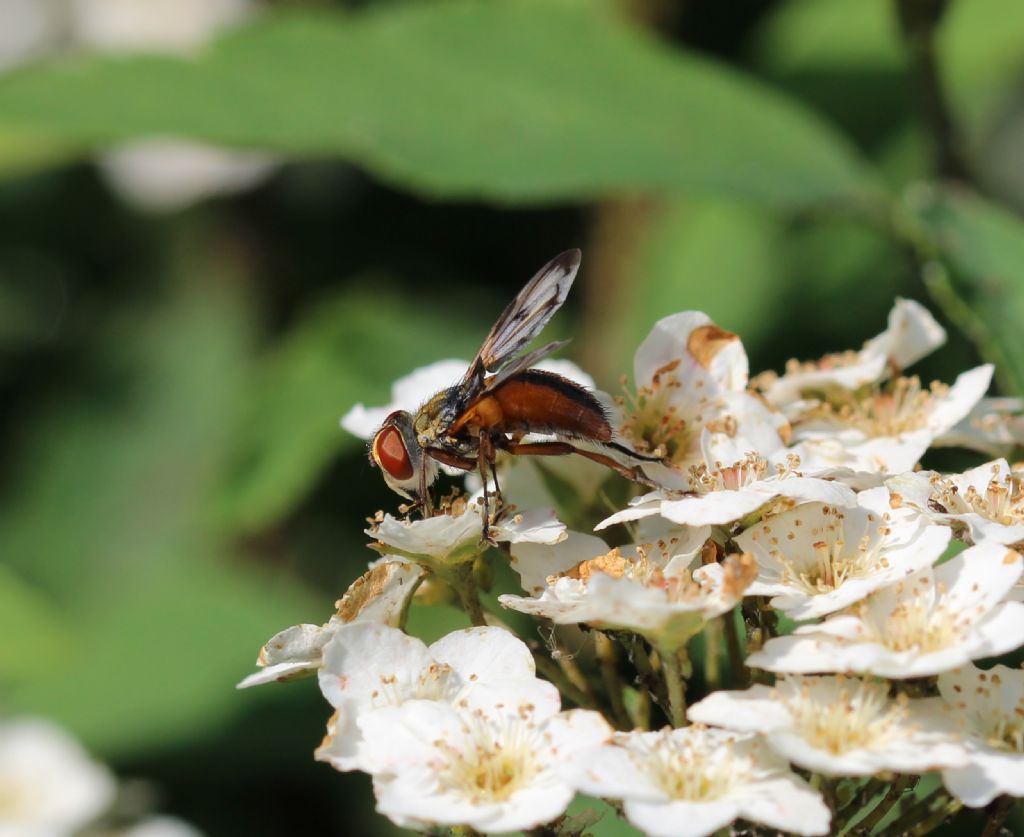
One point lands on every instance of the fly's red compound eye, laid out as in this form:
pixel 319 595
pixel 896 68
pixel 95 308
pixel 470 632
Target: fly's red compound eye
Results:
pixel 389 450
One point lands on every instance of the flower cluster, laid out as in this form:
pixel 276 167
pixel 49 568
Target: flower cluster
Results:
pixel 792 551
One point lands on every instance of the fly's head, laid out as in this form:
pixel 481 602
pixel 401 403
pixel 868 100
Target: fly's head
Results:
pixel 395 450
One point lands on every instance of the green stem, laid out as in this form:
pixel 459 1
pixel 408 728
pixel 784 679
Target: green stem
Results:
pixel 462 580
pixel 554 673
pixel 919 812
pixel 998 811
pixel 712 652
pixel 647 675
pixel 885 805
pixel 738 668
pixel 944 812
pixel 612 683
pixel 919 20
pixel 672 668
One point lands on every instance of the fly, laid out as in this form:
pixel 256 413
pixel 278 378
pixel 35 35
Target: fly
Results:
pixel 498 402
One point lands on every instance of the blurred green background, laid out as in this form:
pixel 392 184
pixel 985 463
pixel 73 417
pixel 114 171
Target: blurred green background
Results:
pixel 175 485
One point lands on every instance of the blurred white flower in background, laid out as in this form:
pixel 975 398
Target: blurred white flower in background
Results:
pixel 693 781
pixel 165 173
pixel 159 827
pixel 28 29
pixel 49 786
pixel 153 25
pixel 160 173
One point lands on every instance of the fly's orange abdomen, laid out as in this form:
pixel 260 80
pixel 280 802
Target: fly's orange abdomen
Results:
pixel 544 402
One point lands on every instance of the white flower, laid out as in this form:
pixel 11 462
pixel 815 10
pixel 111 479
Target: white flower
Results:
pixel 888 428
pixel 911 334
pixel 990 707
pixel 381 594
pixel 933 621
pixel 734 481
pixel 162 173
pixel 647 588
pixel 693 781
pixel 840 726
pixel 436 764
pixel 407 393
pixel 31 28
pixel 817 559
pixel 454 535
pixel 995 427
pixel 368 667
pixel 983 504
pixel 48 784
pixel 690 375
pixel 160 826
pixel 153 25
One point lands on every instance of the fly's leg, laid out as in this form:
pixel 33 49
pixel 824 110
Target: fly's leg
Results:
pixel 424 498
pixel 564 448
pixel 485 460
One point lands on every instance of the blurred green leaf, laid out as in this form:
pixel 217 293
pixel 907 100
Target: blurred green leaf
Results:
pixel 128 459
pixel 24 152
pixel 712 256
pixel 112 518
pixel 983 245
pixel 157 658
pixel 511 100
pixel 345 349
pixel 829 35
pixel 42 638
pixel 848 59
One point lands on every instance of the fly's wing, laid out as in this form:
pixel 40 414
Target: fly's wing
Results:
pixel 524 362
pixel 524 318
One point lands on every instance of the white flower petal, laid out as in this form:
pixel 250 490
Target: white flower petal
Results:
pixel 680 819
pixel 407 393
pixel 536 562
pixel 707 352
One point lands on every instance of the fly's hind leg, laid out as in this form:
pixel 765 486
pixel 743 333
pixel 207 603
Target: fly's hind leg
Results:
pixel 564 448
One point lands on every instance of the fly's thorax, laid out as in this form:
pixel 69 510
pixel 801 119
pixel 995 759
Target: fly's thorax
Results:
pixel 435 417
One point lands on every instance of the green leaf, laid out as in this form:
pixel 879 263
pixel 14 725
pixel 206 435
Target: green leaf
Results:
pixel 344 350
pixel 983 246
pixel 513 100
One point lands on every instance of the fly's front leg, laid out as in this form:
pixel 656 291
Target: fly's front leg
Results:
pixel 424 498
pixel 485 460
